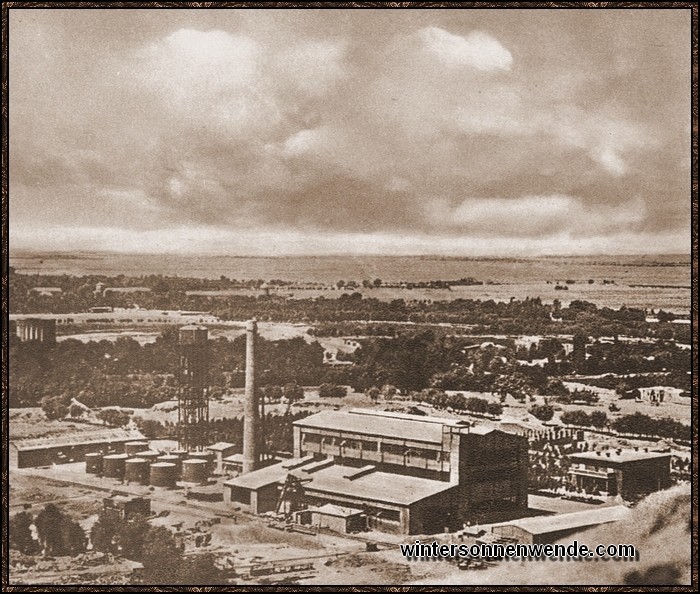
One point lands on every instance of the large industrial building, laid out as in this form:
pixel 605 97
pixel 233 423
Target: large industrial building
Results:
pixel 403 473
pixel 630 474
pixel 551 529
pixel 73 447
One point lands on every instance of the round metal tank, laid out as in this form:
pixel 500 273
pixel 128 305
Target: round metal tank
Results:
pixel 149 455
pixel 195 471
pixel 182 454
pixel 172 460
pixel 163 474
pixel 136 470
pixel 93 463
pixel 113 465
pixel 134 447
pixel 208 457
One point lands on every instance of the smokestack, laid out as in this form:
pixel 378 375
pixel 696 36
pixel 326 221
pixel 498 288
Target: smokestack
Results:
pixel 250 421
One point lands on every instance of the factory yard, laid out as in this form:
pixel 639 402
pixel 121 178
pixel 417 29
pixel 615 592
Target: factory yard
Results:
pixel 240 541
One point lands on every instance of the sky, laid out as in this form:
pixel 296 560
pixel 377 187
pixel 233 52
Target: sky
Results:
pixel 272 132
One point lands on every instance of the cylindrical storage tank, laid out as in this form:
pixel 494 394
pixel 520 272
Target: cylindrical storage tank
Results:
pixel 136 470
pixel 195 471
pixel 163 474
pixel 93 463
pixel 182 454
pixel 135 447
pixel 171 460
pixel 149 455
pixel 208 457
pixel 113 465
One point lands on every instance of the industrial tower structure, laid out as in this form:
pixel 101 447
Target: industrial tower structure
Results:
pixel 251 429
pixel 193 391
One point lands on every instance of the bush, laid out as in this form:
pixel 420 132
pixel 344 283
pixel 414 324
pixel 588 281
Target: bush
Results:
pixel 543 412
pixel 332 391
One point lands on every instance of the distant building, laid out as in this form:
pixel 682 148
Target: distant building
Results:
pixel 662 394
pixel 550 529
pixel 222 450
pixel 72 447
pixel 40 329
pixel 124 507
pixel 47 291
pixel 408 474
pixel 629 473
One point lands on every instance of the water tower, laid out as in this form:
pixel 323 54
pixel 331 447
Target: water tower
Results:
pixel 193 392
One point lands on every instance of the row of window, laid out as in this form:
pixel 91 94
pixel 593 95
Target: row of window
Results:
pixel 373 446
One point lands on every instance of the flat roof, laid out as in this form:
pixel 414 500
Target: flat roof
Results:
pixel 78 438
pixel 276 473
pixel 330 509
pixel 621 458
pixel 381 487
pixel 570 521
pixel 220 446
pixel 410 427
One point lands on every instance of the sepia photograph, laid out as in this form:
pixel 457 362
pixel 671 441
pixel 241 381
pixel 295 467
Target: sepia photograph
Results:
pixel 393 294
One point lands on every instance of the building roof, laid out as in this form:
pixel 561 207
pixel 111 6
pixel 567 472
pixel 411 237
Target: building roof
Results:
pixel 257 479
pixel 332 480
pixel 236 458
pixel 220 446
pixel 391 425
pixel 617 458
pixel 330 509
pixel 128 289
pixel 382 487
pixel 78 438
pixel 570 521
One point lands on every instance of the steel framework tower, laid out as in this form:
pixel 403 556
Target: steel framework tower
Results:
pixel 193 391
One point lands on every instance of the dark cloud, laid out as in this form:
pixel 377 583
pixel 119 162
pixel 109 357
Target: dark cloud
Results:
pixel 387 129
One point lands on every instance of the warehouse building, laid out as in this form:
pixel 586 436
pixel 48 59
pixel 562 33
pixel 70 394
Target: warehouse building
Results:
pixel 630 473
pixel 26 453
pixel 407 474
pixel 551 529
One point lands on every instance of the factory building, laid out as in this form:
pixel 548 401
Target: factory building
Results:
pixel 551 529
pixel 63 449
pixel 407 474
pixel 630 474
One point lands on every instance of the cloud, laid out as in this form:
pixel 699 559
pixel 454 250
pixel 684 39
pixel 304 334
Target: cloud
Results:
pixel 395 129
pixel 532 216
pixel 478 50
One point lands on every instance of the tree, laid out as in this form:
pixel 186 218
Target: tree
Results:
pixel 201 570
pixel 21 537
pixel 373 393
pixel 576 417
pixel 162 558
pixel 76 410
pixel 58 534
pixel 54 407
pixel 598 418
pixel 114 417
pixel 331 391
pixel 103 534
pixel 131 537
pixel 293 392
pixel 543 412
